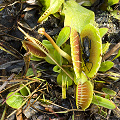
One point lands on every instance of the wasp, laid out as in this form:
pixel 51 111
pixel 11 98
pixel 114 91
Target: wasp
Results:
pixel 86 46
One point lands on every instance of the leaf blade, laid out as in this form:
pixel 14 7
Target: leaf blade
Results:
pixel 63 36
pixel 105 66
pixel 14 101
pixel 77 16
pixel 103 102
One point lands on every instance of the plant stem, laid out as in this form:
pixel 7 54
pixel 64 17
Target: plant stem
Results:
pixel 61 52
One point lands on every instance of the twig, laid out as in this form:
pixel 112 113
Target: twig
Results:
pixel 107 75
pixel 10 4
pixel 15 38
pixel 110 52
pixel 6 82
pixel 4 113
pixel 108 116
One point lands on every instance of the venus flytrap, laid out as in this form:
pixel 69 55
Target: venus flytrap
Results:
pixel 34 49
pixel 42 48
pixel 84 88
pixel 84 25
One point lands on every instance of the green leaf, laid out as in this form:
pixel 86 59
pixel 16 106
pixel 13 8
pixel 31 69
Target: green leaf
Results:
pixel 14 101
pixel 65 81
pixel 103 102
pixel 106 66
pixel 47 44
pixel 105 47
pixel 54 7
pixel 86 3
pixel 51 49
pixel 118 55
pixel 51 53
pixel 103 31
pixel 56 69
pixel 112 2
pixel 77 16
pixel 30 72
pixel 63 36
pixel 108 91
pixel 63 76
pixel 25 91
pixel 57 57
pixel 67 49
pixel 45 3
pixel 33 58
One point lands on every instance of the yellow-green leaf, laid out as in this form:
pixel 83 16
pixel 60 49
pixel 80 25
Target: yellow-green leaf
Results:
pixel 54 7
pixel 24 91
pixel 112 2
pixel 63 36
pixel 15 100
pixel 106 66
pixel 105 47
pixel 77 16
pixel 108 91
pixel 103 102
pixel 103 31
